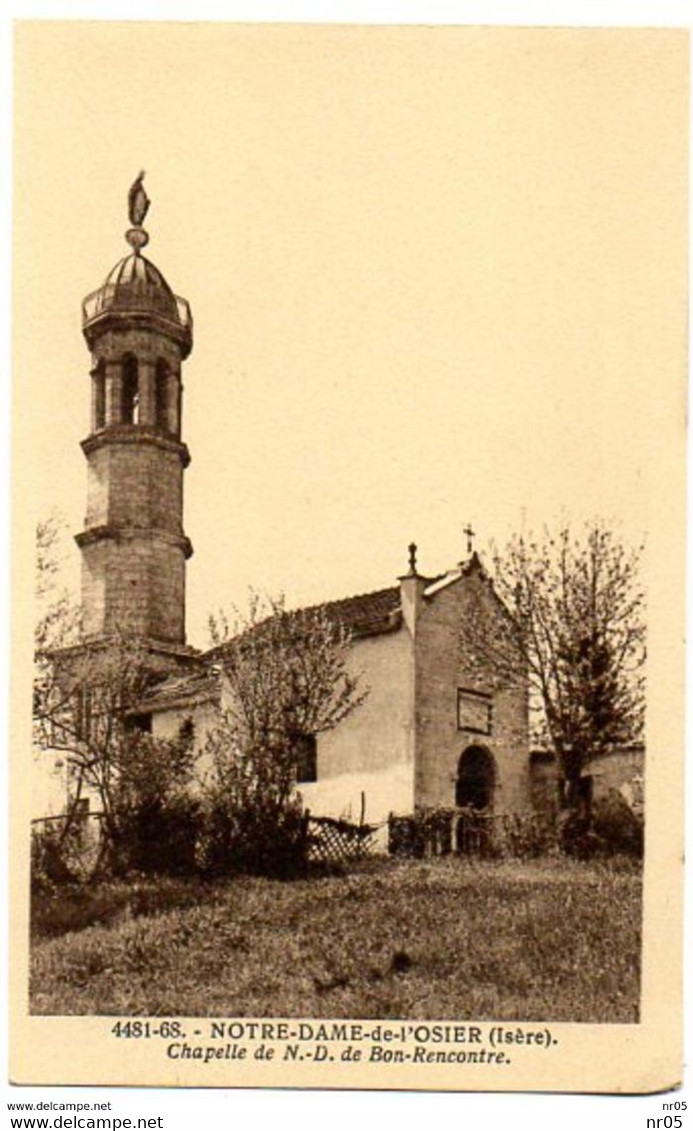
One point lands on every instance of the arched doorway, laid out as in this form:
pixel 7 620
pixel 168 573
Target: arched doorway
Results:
pixel 476 780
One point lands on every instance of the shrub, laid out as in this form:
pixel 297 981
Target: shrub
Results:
pixel 337 842
pixel 255 839
pixel 49 864
pixel 618 827
pixel 425 832
pixel 404 836
pixel 61 854
pixel 73 906
pixel 437 831
pixel 525 835
pixel 158 837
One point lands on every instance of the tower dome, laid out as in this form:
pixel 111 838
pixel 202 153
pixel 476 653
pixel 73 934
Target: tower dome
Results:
pixel 135 283
pixel 136 293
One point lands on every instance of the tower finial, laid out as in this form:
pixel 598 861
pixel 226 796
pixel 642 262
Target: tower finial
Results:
pixel 138 204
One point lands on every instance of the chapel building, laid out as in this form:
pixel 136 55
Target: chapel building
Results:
pixel 429 733
pixel 434 730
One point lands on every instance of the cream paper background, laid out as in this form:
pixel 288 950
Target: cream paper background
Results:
pixel 436 273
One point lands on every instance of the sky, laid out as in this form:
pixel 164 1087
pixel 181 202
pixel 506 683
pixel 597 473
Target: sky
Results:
pixel 437 277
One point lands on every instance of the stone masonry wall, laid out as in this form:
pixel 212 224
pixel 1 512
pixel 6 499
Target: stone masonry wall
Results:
pixel 439 675
pixel 135 585
pixel 612 771
pixel 145 343
pixel 133 562
pixel 135 484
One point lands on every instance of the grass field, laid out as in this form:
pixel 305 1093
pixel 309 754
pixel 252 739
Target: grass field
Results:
pixel 552 940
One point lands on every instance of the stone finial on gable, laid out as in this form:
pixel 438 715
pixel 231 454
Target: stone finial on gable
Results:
pixel 471 534
pixel 411 586
pixel 412 558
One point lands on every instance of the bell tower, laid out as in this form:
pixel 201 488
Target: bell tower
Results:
pixel 133 545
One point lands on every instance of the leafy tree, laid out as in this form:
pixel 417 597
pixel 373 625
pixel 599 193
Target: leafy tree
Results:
pixel 573 625
pixel 285 679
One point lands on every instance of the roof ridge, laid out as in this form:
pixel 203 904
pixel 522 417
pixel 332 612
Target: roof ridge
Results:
pixel 351 597
pixel 332 603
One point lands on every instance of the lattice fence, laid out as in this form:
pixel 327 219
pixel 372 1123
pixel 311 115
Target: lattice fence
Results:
pixel 338 842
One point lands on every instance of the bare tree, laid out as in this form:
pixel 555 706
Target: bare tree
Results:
pixel 86 696
pixel 86 699
pixel 58 614
pixel 57 625
pixel 574 626
pixel 285 679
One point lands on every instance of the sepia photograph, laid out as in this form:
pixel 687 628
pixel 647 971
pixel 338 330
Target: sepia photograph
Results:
pixel 388 326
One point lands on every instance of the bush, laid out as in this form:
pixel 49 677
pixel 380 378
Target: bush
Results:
pixel 425 832
pixel 437 831
pixel 525 836
pixel 618 827
pixel 62 855
pixel 158 838
pixel 257 839
pixel 49 863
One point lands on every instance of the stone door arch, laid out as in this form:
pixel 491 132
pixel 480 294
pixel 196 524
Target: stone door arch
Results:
pixel 476 778
pixel 474 788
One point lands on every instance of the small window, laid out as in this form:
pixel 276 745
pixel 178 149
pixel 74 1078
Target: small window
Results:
pixel 80 811
pixel 474 711
pixel 141 722
pixel 306 758
pixel 186 732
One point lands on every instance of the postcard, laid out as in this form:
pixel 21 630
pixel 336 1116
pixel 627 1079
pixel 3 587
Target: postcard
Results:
pixel 349 463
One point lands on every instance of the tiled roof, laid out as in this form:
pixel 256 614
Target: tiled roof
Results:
pixel 181 690
pixel 366 614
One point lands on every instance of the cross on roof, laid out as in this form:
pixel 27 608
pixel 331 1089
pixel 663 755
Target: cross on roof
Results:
pixel 470 534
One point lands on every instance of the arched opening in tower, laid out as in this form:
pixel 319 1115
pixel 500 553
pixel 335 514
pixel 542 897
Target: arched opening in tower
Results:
pixel 130 401
pixel 161 394
pixel 99 396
